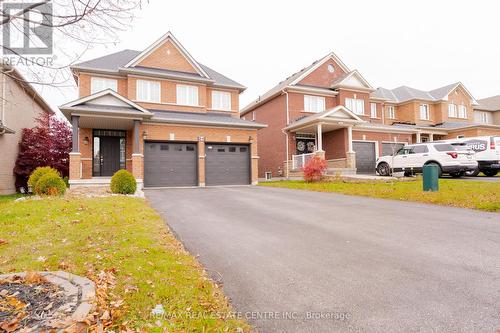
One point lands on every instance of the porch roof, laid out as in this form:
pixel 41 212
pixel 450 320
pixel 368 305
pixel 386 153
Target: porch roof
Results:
pixel 331 119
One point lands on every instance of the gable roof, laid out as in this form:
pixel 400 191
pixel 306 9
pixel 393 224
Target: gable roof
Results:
pixel 338 113
pixel 489 104
pixel 101 101
pixel 346 80
pixel 162 40
pixel 115 63
pixel 293 80
pixel 404 93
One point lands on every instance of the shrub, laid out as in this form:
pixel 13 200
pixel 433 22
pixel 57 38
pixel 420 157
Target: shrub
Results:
pixel 50 184
pixel 66 181
pixel 39 173
pixel 123 182
pixel 314 169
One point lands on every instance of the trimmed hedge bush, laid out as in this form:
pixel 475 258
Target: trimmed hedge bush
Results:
pixel 39 173
pixel 123 182
pixel 50 184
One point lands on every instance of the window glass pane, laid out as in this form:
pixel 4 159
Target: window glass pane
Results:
pixel 373 110
pixel 189 148
pixel 221 150
pixel 243 149
pixel 420 150
pixel 444 147
pixel 148 91
pixel 164 147
pixel 97 157
pixel 232 149
pixel 100 83
pixel 122 153
pixel 187 95
pixel 314 103
pixel 178 147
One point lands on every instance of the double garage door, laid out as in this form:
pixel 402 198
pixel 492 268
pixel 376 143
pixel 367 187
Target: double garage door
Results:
pixel 366 154
pixel 176 164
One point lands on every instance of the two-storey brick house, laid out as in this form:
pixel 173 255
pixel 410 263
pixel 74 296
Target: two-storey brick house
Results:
pixel 330 110
pixel 163 116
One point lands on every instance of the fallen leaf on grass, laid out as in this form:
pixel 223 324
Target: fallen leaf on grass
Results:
pixel 3 241
pixel 10 326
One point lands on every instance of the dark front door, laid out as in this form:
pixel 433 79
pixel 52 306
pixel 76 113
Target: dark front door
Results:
pixel 110 155
pixel 109 152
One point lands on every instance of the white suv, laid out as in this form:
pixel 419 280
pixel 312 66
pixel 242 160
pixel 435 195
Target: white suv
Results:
pixel 410 159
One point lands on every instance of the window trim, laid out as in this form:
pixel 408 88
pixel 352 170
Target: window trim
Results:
pixel 391 114
pixel 373 110
pixel 148 94
pixel 316 98
pixel 94 78
pixel 222 93
pixel 356 102
pixel 188 86
pixel 452 110
pixel 461 108
pixel 427 115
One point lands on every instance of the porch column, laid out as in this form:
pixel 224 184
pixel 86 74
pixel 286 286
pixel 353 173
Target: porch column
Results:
pixel 136 148
pixel 201 161
pixel 137 157
pixel 419 139
pixel 75 157
pixel 431 137
pixel 75 121
pixel 349 139
pixel 350 154
pixel 320 138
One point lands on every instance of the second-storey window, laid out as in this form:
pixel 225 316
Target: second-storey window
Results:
pixel 391 112
pixel 187 95
pixel 221 100
pixel 373 110
pixel 148 91
pixel 314 103
pixel 483 117
pixel 424 112
pixel 462 111
pixel 452 110
pixel 355 105
pixel 101 83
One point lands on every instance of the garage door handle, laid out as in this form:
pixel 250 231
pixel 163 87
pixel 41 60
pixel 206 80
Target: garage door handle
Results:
pixel 425 155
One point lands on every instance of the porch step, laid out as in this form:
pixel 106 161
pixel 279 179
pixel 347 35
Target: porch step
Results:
pixel 341 171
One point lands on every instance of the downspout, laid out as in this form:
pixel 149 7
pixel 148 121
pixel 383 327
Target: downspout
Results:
pixel 286 134
pixel 2 121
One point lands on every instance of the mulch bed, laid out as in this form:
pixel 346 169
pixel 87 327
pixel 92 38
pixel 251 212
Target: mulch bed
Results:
pixel 29 304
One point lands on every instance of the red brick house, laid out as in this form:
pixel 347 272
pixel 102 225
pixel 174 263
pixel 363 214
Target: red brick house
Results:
pixel 330 110
pixel 163 116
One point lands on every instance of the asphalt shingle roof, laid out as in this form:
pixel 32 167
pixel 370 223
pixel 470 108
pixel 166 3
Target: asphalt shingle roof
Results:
pixel 115 61
pixel 176 116
pixel 405 93
pixel 489 104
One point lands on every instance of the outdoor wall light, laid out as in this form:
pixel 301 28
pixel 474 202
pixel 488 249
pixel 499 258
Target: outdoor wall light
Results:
pixel 144 135
pixel 86 140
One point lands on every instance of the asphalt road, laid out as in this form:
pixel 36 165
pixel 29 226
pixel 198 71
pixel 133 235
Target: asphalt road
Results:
pixel 298 261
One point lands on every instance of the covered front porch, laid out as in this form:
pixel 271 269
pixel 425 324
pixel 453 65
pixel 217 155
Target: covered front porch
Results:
pixel 106 138
pixel 328 135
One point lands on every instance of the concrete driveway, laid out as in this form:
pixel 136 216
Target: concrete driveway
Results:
pixel 298 261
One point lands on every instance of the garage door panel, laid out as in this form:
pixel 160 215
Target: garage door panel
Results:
pixel 389 148
pixel 365 156
pixel 170 164
pixel 227 164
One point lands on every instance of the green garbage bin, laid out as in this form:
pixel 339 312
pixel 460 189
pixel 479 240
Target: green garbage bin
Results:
pixel 431 178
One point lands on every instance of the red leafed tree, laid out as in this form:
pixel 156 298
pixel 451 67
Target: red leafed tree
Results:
pixel 314 169
pixel 46 144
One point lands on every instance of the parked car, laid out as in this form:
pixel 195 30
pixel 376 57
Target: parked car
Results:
pixel 487 149
pixel 411 159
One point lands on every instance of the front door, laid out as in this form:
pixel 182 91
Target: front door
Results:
pixel 110 155
pixel 109 152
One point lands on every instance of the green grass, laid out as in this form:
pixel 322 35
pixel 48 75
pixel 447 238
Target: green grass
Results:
pixel 122 234
pixel 9 197
pixel 468 194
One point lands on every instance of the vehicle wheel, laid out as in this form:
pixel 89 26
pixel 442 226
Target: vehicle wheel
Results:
pixel 440 171
pixel 383 169
pixel 472 173
pixel 490 173
pixel 456 174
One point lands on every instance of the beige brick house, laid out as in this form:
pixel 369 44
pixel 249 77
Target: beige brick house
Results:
pixel 163 116
pixel 330 110
pixel 20 105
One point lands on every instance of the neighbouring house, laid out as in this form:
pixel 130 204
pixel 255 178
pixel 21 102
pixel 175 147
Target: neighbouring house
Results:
pixel 329 110
pixel 488 111
pixel 162 115
pixel 21 105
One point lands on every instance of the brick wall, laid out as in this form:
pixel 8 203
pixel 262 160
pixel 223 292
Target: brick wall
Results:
pixel 322 77
pixel 167 56
pixel 335 144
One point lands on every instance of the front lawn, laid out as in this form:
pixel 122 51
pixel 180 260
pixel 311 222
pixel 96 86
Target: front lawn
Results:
pixel 116 238
pixel 9 197
pixel 468 194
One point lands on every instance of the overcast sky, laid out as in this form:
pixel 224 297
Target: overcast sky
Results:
pixel 423 44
